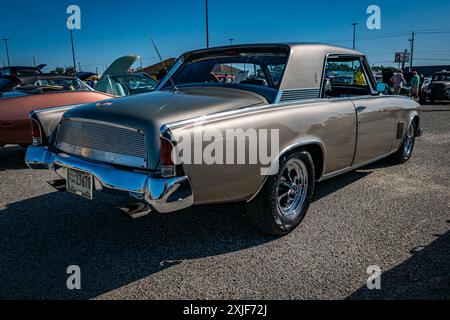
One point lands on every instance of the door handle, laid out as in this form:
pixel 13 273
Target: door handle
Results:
pixel 360 109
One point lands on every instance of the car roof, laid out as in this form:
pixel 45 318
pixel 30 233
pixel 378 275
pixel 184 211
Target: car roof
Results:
pixel 305 63
pixel 291 45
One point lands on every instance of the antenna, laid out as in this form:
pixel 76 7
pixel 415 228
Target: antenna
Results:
pixel 164 64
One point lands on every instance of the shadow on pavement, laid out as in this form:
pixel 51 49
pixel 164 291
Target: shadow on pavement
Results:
pixel 327 187
pixel 42 236
pixel 12 158
pixel 426 275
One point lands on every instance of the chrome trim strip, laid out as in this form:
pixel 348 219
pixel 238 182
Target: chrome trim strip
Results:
pixel 326 176
pixel 70 106
pixel 357 166
pixel 289 104
pixel 102 156
pixel 163 194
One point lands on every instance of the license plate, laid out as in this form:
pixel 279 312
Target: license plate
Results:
pixel 80 183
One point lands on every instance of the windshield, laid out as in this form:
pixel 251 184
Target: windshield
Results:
pixel 65 84
pixel 135 83
pixel 441 77
pixel 55 84
pixel 264 69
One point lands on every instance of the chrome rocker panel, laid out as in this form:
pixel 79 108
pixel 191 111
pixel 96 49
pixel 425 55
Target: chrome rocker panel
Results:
pixel 163 194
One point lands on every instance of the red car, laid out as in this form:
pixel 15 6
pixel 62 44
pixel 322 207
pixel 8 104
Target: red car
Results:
pixel 20 96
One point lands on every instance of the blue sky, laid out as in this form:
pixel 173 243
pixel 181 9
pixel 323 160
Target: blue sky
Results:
pixel 110 29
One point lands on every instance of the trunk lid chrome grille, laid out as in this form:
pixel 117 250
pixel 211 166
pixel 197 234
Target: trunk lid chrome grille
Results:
pixel 102 142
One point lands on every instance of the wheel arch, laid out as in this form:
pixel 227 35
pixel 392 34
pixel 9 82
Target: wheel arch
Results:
pixel 314 147
pixel 415 118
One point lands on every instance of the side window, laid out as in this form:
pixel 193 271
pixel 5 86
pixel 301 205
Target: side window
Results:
pixel 344 77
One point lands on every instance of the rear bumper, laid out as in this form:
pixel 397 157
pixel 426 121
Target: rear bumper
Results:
pixel 163 194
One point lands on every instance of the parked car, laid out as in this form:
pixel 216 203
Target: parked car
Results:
pixel 19 96
pixel 21 71
pixel 128 144
pixel 126 84
pixel 438 89
pixel 423 90
pixel 118 81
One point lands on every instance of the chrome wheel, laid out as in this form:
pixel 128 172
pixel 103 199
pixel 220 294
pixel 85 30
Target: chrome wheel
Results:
pixel 409 141
pixel 292 188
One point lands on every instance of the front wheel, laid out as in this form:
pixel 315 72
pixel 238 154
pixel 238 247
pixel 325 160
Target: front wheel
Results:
pixel 285 198
pixel 404 153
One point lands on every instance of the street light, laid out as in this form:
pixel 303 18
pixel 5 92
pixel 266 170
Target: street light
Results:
pixel 354 34
pixel 7 52
pixel 231 41
pixel 207 24
pixel 73 50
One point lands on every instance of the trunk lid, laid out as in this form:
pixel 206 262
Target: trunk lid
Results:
pixel 148 112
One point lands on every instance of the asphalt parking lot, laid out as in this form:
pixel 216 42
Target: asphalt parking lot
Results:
pixel 396 217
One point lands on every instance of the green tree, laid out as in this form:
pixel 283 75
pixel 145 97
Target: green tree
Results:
pixel 58 71
pixel 70 71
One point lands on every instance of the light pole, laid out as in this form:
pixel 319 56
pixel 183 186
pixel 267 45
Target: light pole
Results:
pixel 413 38
pixel 354 34
pixel 207 24
pixel 7 51
pixel 73 50
pixel 231 41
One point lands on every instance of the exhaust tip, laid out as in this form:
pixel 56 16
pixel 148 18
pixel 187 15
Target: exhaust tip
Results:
pixel 136 210
pixel 59 184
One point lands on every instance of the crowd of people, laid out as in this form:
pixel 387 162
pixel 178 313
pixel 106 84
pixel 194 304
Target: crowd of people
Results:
pixel 398 81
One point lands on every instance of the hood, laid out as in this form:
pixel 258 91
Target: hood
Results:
pixel 148 112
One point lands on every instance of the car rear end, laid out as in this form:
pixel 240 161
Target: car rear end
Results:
pixel 92 156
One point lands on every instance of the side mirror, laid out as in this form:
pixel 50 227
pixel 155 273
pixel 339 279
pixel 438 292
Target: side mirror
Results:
pixel 381 87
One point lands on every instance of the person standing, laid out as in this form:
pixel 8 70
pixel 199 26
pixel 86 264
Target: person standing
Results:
pixel 415 84
pixel 397 82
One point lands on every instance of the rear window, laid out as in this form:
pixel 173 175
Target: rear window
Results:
pixel 264 69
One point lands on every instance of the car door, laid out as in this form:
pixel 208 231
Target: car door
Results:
pixel 349 77
pixel 375 123
pixel 375 128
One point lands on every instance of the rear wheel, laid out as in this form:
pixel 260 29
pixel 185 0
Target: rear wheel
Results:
pixel 285 198
pixel 404 153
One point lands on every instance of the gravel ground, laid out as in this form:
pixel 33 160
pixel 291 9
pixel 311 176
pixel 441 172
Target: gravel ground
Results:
pixel 396 217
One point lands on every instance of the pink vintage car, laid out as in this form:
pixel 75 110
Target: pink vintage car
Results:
pixel 20 96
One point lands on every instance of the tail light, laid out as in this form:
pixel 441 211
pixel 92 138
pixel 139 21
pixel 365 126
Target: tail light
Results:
pixel 167 165
pixel 36 133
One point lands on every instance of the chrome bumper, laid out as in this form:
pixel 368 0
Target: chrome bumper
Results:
pixel 163 194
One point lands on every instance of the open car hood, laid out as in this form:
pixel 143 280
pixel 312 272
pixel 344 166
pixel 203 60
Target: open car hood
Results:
pixel 121 65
